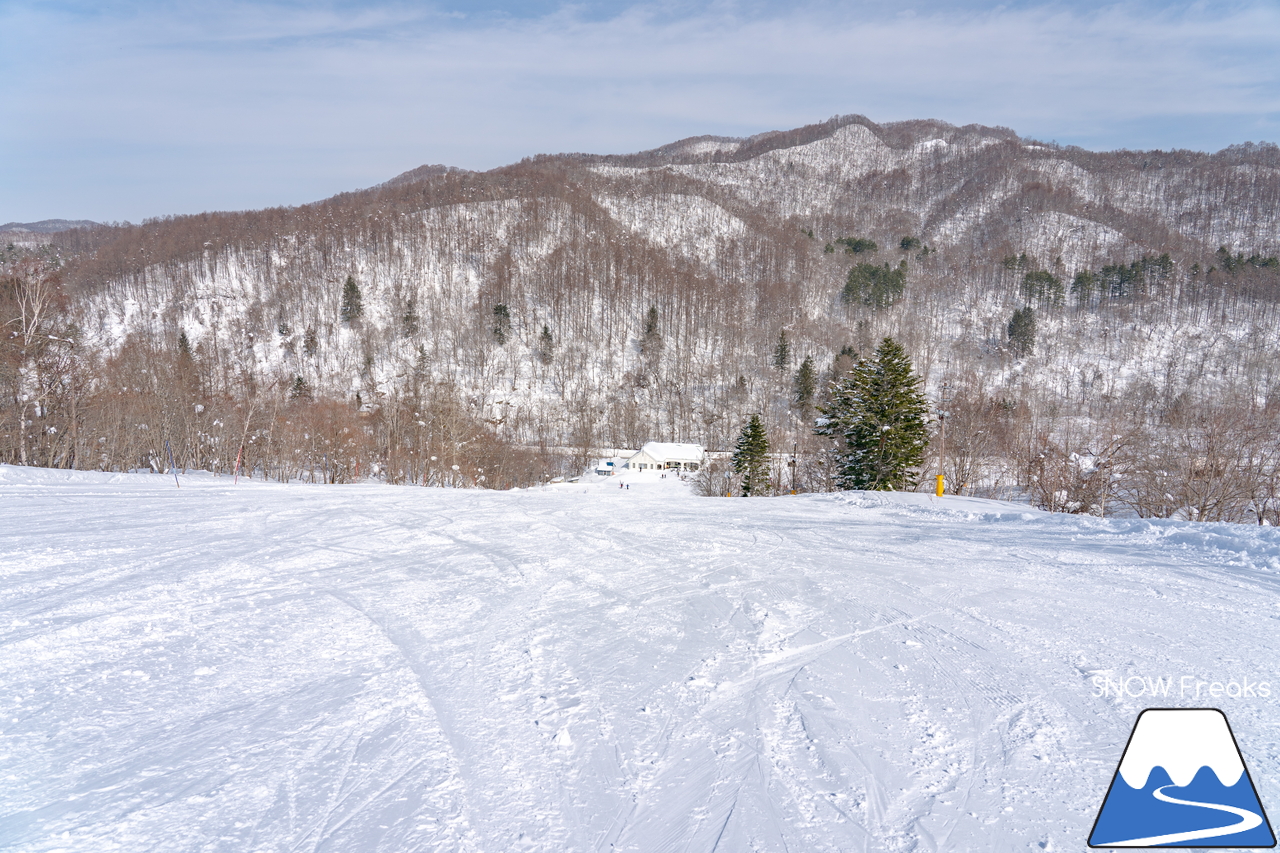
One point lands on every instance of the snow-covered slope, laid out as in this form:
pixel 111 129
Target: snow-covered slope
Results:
pixel 731 243
pixel 591 668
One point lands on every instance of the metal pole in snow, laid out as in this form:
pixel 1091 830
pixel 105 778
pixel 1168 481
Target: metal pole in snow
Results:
pixel 942 443
pixel 172 465
pixel 795 459
pixel 944 399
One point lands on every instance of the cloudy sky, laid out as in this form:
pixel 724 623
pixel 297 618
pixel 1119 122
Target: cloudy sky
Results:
pixel 126 110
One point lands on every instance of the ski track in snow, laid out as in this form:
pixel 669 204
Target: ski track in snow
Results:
pixel 583 668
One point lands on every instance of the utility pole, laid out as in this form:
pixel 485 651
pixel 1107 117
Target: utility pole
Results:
pixel 944 399
pixel 795 449
pixel 942 442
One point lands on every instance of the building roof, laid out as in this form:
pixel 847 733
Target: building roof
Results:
pixel 663 451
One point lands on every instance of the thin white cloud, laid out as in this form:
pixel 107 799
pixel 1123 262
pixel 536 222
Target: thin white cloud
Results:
pixel 275 104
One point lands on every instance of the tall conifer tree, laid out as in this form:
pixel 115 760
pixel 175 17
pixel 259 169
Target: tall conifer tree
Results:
pixel 1022 331
pixel 651 340
pixel 782 352
pixel 501 323
pixel 352 303
pixel 751 458
pixel 806 382
pixel 877 417
pixel 546 346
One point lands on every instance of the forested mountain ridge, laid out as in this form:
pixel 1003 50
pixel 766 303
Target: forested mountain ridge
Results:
pixel 597 301
pixel 44 226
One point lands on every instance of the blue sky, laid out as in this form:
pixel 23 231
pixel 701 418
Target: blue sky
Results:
pixel 121 111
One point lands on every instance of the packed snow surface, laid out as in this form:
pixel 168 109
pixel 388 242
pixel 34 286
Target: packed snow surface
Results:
pixel 588 668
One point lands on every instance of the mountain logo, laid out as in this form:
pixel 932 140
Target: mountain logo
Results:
pixel 1182 782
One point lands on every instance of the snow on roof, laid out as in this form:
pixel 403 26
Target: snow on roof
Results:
pixel 663 451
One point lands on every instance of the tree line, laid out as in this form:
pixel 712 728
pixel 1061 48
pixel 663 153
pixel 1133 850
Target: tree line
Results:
pixel 541 313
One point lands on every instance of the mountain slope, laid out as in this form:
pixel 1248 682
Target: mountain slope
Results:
pixel 46 226
pixel 731 242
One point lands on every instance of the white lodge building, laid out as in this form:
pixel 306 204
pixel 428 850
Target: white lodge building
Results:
pixel 612 464
pixel 663 456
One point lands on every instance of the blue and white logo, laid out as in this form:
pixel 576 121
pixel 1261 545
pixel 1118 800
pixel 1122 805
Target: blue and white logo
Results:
pixel 1182 783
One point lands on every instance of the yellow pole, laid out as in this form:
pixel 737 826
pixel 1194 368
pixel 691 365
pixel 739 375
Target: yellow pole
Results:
pixel 942 440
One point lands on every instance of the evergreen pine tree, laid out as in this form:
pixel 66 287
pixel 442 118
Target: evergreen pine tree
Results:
pixel 877 417
pixel 421 370
pixel 1084 286
pixel 1043 287
pixel 501 323
pixel 187 375
pixel 751 458
pixel 876 286
pixel 806 382
pixel 352 303
pixel 1022 332
pixel 651 340
pixel 410 322
pixel 546 346
pixel 857 245
pixel 301 390
pixel 782 352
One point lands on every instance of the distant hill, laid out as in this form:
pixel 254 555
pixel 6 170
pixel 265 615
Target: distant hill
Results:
pixel 48 226
pixel 585 301
pixel 421 173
